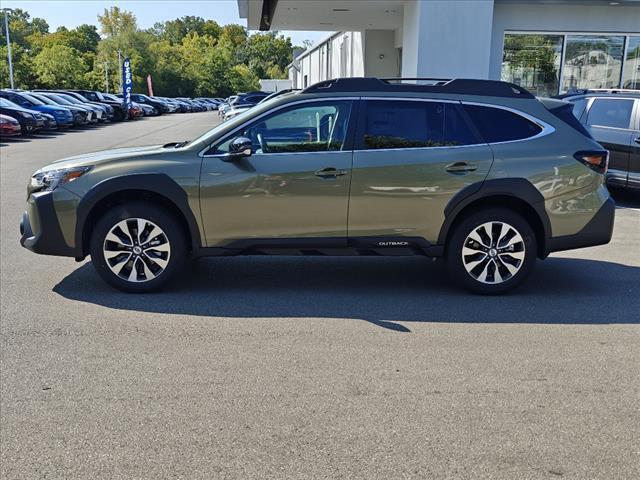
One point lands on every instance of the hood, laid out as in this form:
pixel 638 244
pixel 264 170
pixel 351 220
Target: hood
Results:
pixel 104 156
pixel 18 108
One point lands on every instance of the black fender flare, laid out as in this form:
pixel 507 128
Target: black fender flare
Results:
pixel 157 183
pixel 518 188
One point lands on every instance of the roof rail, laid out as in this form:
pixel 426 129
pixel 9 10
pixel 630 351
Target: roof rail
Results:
pixel 600 90
pixel 463 86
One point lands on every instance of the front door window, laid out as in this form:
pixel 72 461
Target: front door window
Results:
pixel 313 127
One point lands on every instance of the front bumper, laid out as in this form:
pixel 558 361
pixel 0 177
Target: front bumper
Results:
pixel 40 230
pixel 597 232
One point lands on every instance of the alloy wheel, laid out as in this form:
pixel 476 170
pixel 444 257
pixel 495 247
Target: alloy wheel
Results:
pixel 493 252
pixel 136 250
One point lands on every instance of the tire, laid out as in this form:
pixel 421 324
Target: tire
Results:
pixel 473 260
pixel 156 255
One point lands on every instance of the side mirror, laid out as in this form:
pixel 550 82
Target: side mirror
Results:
pixel 240 147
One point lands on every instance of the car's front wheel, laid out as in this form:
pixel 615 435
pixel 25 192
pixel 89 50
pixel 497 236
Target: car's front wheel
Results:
pixel 137 247
pixel 491 251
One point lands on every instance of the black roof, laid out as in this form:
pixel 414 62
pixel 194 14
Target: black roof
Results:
pixel 462 86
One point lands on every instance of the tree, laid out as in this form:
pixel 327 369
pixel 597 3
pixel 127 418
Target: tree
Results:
pixel 23 73
pixel 188 56
pixel 59 66
pixel 21 26
pixel 115 22
pixel 242 79
pixel 175 30
pixel 265 50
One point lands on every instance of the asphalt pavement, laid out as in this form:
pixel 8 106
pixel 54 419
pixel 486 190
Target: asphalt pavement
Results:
pixel 302 367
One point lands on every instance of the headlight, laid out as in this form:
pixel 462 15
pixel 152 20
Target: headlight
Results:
pixel 26 115
pixel 51 179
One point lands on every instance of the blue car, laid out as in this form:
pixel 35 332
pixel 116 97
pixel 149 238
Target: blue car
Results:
pixel 63 116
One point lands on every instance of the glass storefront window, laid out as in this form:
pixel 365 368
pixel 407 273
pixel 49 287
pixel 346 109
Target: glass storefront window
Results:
pixel 533 62
pixel 631 75
pixel 592 61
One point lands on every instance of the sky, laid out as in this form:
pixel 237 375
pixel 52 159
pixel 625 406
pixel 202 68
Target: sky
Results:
pixel 71 13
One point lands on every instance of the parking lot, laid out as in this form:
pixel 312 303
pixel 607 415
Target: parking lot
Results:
pixel 304 367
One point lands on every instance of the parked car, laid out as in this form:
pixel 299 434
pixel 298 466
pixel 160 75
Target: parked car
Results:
pixel 214 103
pixel 612 116
pixel 240 103
pixel 347 166
pixel 30 120
pixel 98 97
pixel 159 106
pixel 106 110
pixel 64 100
pixel 9 126
pixel 98 113
pixel 63 116
pixel 182 107
pixel 80 115
pixel 49 122
pixel 237 109
pixel 147 110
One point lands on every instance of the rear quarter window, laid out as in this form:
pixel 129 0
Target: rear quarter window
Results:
pixel 498 125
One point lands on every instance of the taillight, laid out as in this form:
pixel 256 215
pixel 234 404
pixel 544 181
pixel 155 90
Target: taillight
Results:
pixel 597 160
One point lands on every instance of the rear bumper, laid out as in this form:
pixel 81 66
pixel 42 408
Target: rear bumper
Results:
pixel 597 232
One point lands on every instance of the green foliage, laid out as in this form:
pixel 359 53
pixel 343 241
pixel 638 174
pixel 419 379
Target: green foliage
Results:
pixel 23 73
pixel 59 66
pixel 188 56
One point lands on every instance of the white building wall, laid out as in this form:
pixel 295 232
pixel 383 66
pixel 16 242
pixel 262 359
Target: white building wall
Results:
pixel 447 39
pixel 342 54
pixel 380 55
pixel 558 19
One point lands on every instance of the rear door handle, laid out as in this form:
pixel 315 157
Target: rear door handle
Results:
pixel 329 172
pixel 461 167
pixel 637 140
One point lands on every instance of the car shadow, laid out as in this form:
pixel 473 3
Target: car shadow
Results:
pixel 378 290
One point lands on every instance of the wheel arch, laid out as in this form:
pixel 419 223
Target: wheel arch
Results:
pixel 516 194
pixel 157 188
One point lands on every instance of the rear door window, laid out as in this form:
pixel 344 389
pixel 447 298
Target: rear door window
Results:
pixel 499 125
pixel 413 124
pixel 610 112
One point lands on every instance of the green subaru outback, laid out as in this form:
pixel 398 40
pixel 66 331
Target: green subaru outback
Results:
pixel 479 172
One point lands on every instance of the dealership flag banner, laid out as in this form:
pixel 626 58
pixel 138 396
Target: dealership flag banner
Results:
pixel 127 83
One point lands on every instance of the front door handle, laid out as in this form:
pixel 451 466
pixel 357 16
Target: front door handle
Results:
pixel 329 172
pixel 461 167
pixel 637 140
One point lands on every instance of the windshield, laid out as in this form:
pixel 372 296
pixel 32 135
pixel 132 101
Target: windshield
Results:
pixel 8 103
pixel 43 99
pixel 59 99
pixel 70 98
pixel 32 99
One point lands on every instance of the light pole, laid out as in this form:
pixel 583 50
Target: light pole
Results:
pixel 6 12
pixel 120 69
pixel 106 77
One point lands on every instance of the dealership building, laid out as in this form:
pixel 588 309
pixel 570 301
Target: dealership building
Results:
pixel 547 46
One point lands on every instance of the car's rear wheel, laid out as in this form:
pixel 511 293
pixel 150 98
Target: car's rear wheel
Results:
pixel 137 247
pixel 491 251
